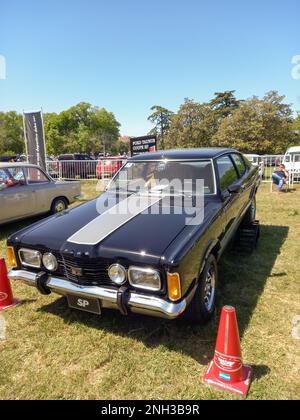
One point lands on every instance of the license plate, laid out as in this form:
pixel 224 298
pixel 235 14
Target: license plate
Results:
pixel 84 304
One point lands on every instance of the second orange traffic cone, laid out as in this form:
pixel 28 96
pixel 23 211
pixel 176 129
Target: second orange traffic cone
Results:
pixel 227 371
pixel 6 297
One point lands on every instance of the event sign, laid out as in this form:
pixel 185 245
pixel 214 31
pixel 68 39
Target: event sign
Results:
pixel 145 144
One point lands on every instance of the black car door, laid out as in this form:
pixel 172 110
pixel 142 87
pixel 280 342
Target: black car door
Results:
pixel 245 181
pixel 232 205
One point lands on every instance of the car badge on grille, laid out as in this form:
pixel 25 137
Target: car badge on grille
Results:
pixel 76 271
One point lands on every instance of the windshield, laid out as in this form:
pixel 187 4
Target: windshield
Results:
pixel 186 177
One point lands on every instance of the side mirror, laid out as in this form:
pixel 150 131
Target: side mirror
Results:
pixel 225 195
pixel 234 189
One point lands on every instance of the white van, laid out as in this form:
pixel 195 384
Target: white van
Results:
pixel 291 160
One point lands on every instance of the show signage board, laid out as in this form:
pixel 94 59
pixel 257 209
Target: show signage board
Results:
pixel 145 144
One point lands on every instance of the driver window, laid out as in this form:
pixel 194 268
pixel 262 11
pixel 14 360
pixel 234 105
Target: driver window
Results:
pixel 11 177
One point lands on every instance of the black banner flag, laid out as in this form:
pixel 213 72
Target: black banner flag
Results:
pixel 34 138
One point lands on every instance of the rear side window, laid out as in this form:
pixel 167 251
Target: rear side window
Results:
pixel 227 172
pixel 240 164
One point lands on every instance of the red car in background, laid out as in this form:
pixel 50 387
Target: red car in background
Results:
pixel 108 167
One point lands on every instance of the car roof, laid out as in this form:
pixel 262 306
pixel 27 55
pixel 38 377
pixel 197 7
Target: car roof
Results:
pixel 17 165
pixel 184 154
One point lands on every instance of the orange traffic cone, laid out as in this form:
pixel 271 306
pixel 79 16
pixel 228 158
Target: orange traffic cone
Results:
pixel 6 297
pixel 227 371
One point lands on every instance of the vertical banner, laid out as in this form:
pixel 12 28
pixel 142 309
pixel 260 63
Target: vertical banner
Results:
pixel 35 138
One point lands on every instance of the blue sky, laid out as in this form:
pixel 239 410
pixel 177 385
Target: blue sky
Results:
pixel 127 55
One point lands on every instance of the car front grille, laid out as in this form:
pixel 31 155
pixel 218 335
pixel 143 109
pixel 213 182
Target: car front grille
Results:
pixel 83 271
pixel 93 272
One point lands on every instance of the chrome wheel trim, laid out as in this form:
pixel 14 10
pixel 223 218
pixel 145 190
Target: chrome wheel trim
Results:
pixel 210 288
pixel 59 206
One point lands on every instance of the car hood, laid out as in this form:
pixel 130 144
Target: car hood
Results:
pixel 143 237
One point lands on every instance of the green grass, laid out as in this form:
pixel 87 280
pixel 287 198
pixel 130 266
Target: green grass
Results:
pixel 51 351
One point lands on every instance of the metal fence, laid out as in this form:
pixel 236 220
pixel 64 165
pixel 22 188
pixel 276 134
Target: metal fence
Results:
pixel 86 170
pixel 106 168
pixel 269 163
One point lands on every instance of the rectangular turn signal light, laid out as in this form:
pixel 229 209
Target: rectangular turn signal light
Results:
pixel 11 257
pixel 174 286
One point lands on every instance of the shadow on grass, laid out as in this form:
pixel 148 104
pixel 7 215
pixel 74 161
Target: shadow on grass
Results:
pixel 10 228
pixel 242 281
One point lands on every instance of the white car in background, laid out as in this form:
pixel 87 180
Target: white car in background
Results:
pixel 26 191
pixel 257 161
pixel 291 161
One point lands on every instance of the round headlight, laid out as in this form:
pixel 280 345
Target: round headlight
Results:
pixel 117 274
pixel 50 262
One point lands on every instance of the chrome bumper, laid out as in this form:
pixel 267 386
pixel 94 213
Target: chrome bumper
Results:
pixel 137 303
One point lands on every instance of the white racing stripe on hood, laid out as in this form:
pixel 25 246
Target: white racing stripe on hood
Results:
pixel 111 220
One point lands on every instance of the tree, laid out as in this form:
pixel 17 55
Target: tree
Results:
pixel 192 126
pixel 122 146
pixel 11 133
pixel 55 141
pixel 263 126
pixel 224 103
pixel 195 124
pixel 296 124
pixel 104 130
pixel 162 119
pixel 82 128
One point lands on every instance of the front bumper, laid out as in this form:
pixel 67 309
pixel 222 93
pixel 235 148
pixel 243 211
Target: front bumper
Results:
pixel 135 302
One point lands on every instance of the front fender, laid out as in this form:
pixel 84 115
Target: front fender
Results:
pixel 214 244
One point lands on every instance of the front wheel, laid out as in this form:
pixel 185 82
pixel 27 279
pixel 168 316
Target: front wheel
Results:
pixel 203 305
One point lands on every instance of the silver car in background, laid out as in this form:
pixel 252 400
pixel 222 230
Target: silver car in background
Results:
pixel 26 191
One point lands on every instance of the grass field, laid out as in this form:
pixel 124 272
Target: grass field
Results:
pixel 51 351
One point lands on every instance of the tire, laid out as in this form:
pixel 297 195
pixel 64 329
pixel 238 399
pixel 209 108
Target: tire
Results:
pixel 250 216
pixel 59 204
pixel 202 307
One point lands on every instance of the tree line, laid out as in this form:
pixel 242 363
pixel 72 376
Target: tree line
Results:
pixel 82 128
pixel 256 125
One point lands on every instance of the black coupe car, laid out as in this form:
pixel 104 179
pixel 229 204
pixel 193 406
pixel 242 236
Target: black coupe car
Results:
pixel 151 243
